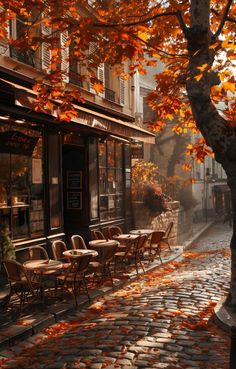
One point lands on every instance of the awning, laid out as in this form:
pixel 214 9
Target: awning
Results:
pixel 25 97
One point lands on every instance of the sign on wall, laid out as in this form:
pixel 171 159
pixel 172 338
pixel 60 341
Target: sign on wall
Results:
pixel 137 150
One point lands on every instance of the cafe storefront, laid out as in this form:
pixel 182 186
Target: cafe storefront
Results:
pixel 59 179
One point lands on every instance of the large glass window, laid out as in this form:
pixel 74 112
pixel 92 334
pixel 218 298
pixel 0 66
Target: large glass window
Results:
pixel 21 179
pixel 110 179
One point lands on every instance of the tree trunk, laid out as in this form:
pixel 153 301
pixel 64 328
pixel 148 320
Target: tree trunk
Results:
pixel 219 135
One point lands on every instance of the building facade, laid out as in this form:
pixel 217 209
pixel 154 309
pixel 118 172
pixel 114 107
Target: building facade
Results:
pixel 59 178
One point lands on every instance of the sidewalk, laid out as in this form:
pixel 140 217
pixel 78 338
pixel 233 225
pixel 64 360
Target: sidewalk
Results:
pixel 12 332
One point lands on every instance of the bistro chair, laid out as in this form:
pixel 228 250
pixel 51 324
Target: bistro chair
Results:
pixel 37 252
pixel 74 277
pixel 153 246
pixel 166 237
pixel 97 235
pixel 114 231
pixel 101 266
pixel 58 247
pixel 20 284
pixel 138 251
pixel 125 253
pixel 78 242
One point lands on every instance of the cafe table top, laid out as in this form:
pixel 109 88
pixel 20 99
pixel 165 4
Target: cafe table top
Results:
pixel 126 237
pixel 141 231
pixel 75 253
pixel 42 265
pixel 102 243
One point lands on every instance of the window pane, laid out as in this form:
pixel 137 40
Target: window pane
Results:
pixel 54 189
pixel 21 180
pixel 102 155
pixel 111 154
pixel 93 178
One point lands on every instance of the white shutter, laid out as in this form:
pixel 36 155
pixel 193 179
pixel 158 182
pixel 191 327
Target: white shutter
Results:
pixel 92 50
pixel 122 90
pixel 64 56
pixel 101 77
pixel 45 48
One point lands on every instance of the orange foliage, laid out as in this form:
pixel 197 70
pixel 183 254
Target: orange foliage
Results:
pixel 155 34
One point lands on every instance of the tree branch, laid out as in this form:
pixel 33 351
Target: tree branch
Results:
pixel 225 15
pixel 112 25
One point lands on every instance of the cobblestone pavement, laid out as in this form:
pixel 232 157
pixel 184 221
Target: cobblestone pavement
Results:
pixel 162 320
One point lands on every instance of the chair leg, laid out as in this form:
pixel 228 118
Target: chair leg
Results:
pixel 86 288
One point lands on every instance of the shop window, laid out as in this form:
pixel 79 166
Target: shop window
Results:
pixel 54 183
pixel 93 178
pixel 110 180
pixel 21 180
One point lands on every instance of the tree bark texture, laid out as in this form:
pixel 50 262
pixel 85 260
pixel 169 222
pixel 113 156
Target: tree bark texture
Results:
pixel 219 135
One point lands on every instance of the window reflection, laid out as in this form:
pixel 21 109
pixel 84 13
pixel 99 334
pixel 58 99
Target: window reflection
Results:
pixel 21 180
pixel 110 180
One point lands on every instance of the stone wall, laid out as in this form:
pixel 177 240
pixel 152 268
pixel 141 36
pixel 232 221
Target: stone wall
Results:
pixel 182 219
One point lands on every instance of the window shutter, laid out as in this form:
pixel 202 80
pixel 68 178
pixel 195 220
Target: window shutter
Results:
pixel 46 52
pixel 101 77
pixel 64 56
pixel 122 90
pixel 92 50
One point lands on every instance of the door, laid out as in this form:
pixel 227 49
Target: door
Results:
pixel 74 190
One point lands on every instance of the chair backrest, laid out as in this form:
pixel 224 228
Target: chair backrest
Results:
pixel 156 237
pixel 58 247
pixel 169 229
pixel 114 231
pixel 79 265
pixel 141 242
pixel 108 253
pixel 16 272
pixel 78 242
pixel 97 235
pixel 37 252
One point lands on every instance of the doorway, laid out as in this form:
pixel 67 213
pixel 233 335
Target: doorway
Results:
pixel 74 189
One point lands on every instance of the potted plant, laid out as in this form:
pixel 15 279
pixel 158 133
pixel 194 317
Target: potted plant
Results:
pixel 7 248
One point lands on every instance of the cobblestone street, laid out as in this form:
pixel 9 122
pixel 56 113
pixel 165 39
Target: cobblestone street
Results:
pixel 162 320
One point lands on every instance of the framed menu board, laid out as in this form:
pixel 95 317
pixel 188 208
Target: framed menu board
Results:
pixel 74 180
pixel 74 200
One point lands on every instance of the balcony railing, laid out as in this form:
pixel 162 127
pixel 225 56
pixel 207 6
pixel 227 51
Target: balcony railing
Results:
pixel 110 95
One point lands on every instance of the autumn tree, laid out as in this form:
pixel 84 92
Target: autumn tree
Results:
pixel 195 41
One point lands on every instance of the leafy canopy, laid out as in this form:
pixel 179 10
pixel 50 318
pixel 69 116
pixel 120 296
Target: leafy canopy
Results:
pixel 142 32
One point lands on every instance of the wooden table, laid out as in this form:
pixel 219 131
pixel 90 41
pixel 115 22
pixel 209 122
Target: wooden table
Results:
pixel 42 267
pixel 124 237
pixel 102 243
pixel 74 254
pixel 139 232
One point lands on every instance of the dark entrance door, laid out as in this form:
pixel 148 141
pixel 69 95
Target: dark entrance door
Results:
pixel 74 190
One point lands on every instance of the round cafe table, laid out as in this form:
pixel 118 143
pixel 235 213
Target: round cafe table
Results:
pixel 102 243
pixel 76 253
pixel 42 265
pixel 141 231
pixel 42 268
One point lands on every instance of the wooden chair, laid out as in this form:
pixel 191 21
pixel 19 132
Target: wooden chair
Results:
pixel 75 276
pixel 102 264
pixel 114 230
pixel 166 237
pixel 58 247
pixel 153 246
pixel 20 284
pixel 97 235
pixel 37 252
pixel 138 251
pixel 78 242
